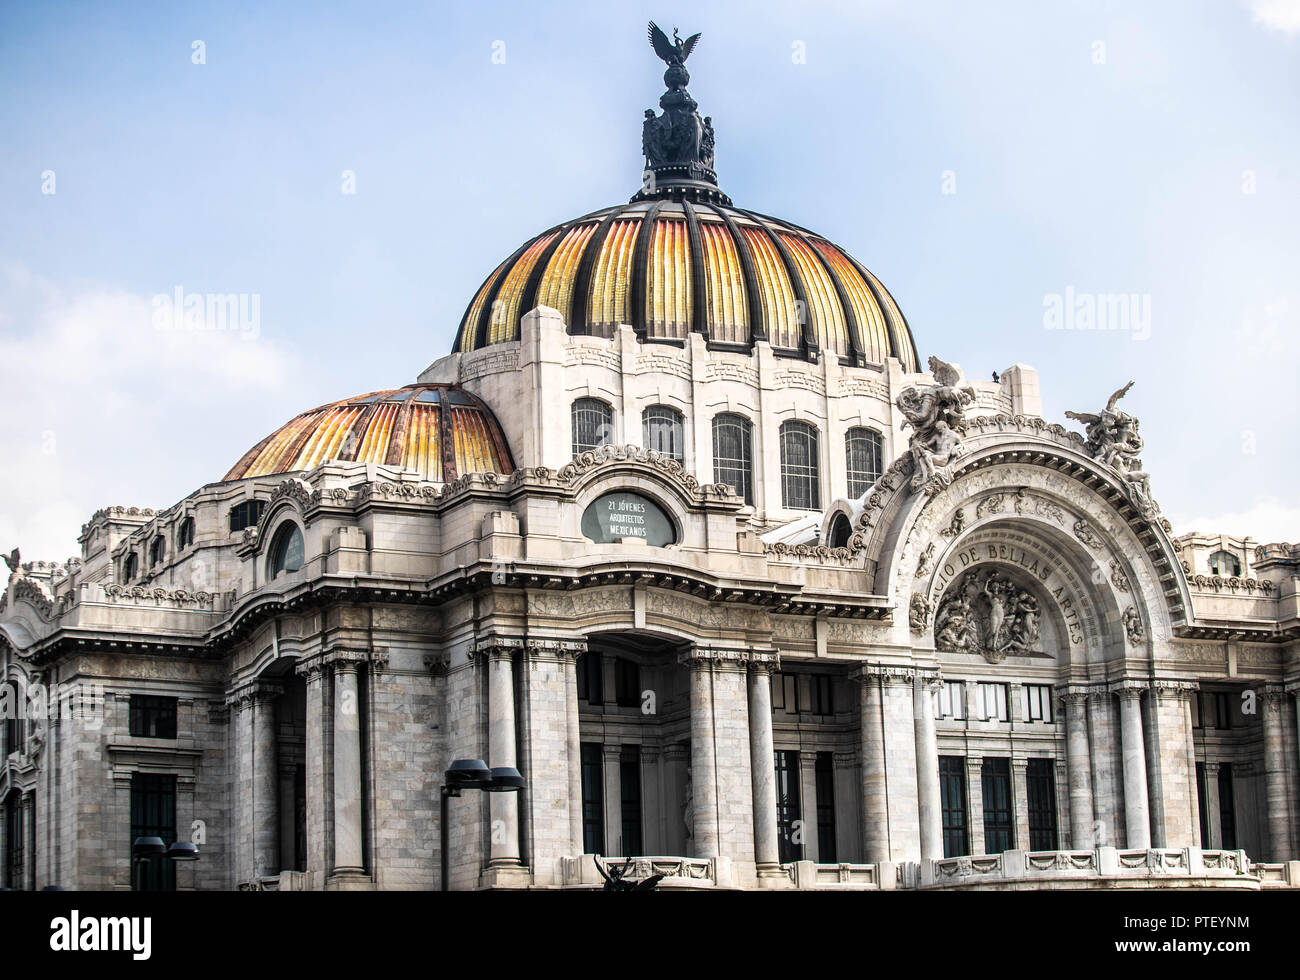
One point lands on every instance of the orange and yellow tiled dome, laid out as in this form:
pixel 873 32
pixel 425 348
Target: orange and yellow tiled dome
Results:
pixel 438 430
pixel 669 267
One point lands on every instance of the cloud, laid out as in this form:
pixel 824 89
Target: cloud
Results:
pixel 101 404
pixel 1277 15
pixel 1267 520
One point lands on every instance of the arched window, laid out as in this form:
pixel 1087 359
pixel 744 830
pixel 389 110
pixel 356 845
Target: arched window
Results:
pixel 841 531
pixel 862 451
pixel 130 566
pixel 1226 564
pixel 185 536
pixel 246 514
pixel 157 551
pixel 733 461
pixel 593 425
pixel 286 551
pixel 663 430
pixel 800 478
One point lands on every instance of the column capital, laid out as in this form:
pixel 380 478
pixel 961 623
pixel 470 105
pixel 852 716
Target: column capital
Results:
pixel 559 648
pixel 245 694
pixel 717 658
pixel 1212 768
pixel 886 673
pixel 1072 695
pixel 495 646
pixel 930 680
pixel 764 661
pixel 1173 689
pixel 1293 687
pixel 1273 696
pixel 1129 690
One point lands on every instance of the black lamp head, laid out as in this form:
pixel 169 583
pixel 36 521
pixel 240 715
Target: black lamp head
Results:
pixel 145 847
pixel 183 850
pixel 505 779
pixel 468 772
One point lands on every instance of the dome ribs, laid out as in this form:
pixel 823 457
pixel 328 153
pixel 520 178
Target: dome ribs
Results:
pixel 640 261
pixel 528 299
pixel 853 331
pixel 489 301
pixel 582 280
pixel 753 301
pixel 891 311
pixel 804 312
pixel 699 302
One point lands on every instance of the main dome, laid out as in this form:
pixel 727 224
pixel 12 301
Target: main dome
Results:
pixel 439 430
pixel 669 267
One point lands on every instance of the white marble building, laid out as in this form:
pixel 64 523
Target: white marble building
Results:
pixel 683 532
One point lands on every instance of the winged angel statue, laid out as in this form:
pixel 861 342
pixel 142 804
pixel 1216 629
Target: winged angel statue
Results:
pixel 674 52
pixel 937 414
pixel 1111 437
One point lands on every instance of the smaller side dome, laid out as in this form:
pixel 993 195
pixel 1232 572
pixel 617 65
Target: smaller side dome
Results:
pixel 441 431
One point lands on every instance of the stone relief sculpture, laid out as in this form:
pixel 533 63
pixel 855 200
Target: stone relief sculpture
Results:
pixel 918 614
pixel 1133 626
pixel 989 614
pixel 1111 437
pixel 937 416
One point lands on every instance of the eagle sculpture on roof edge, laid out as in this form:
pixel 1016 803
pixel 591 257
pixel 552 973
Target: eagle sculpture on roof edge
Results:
pixel 676 51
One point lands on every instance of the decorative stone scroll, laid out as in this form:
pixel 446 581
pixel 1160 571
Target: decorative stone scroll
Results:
pixel 987 612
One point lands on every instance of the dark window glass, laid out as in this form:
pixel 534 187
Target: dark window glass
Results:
pixel 820 689
pixel 825 808
pixel 152 716
pixel 952 801
pixel 1225 564
pixel 157 551
pixel 15 834
pixel 590 686
pixel 663 430
pixel 246 514
pixel 733 461
pixel 593 425
pixel 1227 809
pixel 1040 788
pixel 800 479
pixel 286 551
pixel 788 820
pixel 841 531
pixel 999 828
pixel 130 566
pixel 593 799
pixel 1202 805
pixel 15 712
pixel 185 536
pixel 862 449
pixel 1222 710
pixel 153 814
pixel 627 683
pixel 629 773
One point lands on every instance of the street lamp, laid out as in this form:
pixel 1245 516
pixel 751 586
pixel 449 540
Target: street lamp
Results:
pixel 146 848
pixel 472 774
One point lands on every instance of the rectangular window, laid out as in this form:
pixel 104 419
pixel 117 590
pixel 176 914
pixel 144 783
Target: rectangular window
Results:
pixel 952 800
pixel 1040 788
pixel 1227 809
pixel 14 836
pixel 820 689
pixel 993 702
pixel 629 776
pixel 950 700
pixel 788 819
pixel 1038 702
pixel 825 808
pixel 593 799
pixel 152 716
pixel 153 814
pixel 1222 712
pixel 1197 717
pixel 590 682
pixel 999 825
pixel 785 693
pixel 627 683
pixel 1202 805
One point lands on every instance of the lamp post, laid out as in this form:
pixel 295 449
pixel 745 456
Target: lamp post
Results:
pixel 471 774
pixel 145 848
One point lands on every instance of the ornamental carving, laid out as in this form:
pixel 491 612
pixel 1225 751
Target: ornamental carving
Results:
pixel 937 413
pixel 1112 439
pixel 181 597
pixel 923 563
pixel 990 614
pixel 605 455
pixel 918 616
pixel 1085 533
pixel 956 525
pixel 1117 576
pixel 1133 626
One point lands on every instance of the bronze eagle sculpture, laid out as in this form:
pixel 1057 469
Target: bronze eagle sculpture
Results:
pixel 674 52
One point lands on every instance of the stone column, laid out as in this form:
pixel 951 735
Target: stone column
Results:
pixel 1175 817
pixel 243 857
pixel 1074 701
pixel 1020 802
pixel 317 743
pixel 875 802
pixel 29 845
pixel 503 807
pixel 266 791
pixel 809 803
pixel 612 770
pixel 975 802
pixel 763 769
pixel 704 786
pixel 288 817
pixel 1137 820
pixel 573 742
pixel 1102 742
pixel 927 767
pixel 1277 811
pixel 348 859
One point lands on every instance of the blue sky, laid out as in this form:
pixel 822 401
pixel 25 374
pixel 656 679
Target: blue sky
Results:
pixel 1144 148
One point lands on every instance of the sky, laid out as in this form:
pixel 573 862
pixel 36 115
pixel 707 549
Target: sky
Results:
pixel 356 171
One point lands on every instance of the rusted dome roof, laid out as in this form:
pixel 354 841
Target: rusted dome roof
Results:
pixel 672 267
pixel 439 430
